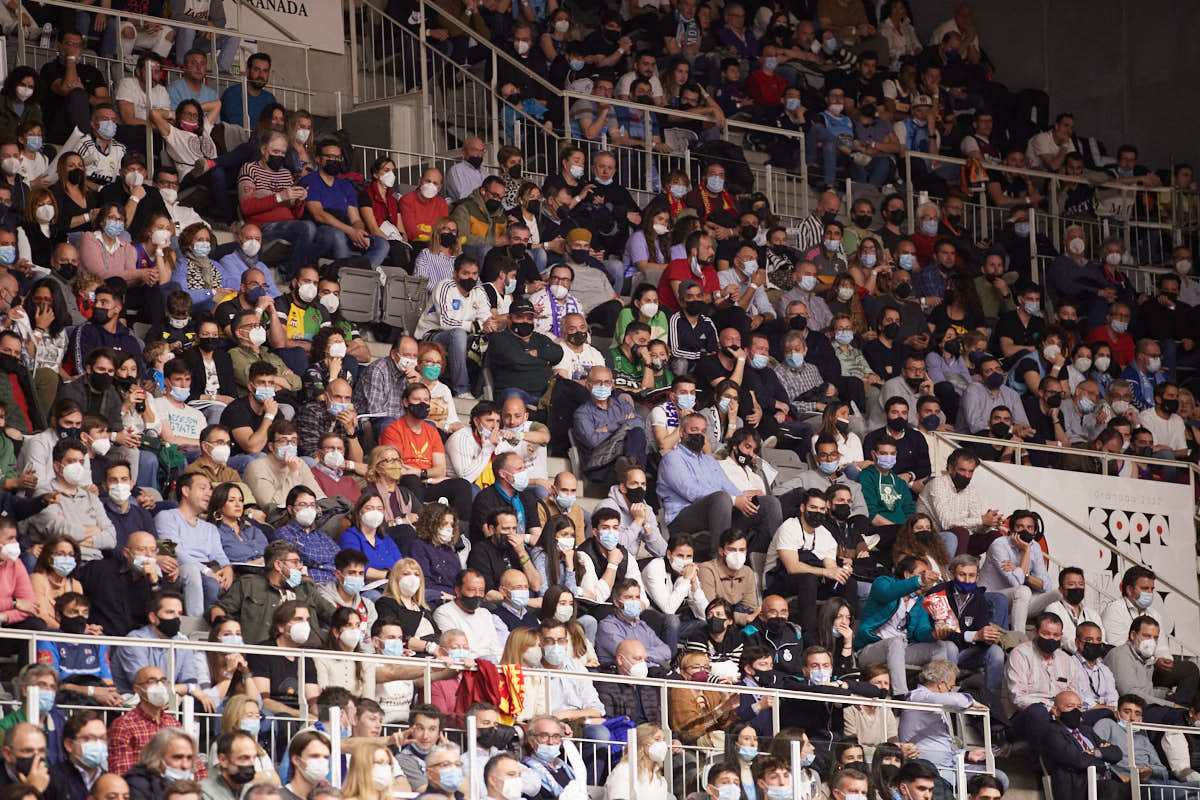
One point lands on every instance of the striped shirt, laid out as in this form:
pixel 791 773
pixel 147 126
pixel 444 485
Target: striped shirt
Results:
pixel 810 232
pixel 1031 679
pixel 450 310
pixel 434 268
pixel 261 178
pixel 102 168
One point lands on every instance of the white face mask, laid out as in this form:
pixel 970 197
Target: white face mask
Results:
pixel 678 564
pixel 306 516
pixel 1076 246
pixel 1112 259
pixel 45 213
pixel 409 584
pixel 521 46
pixel 169 196
pixel 511 789
pixel 251 247
pixel 10 165
pixel 388 179
pixel 372 518
pixel 11 551
pixel 120 492
pixel 158 695
pixel 563 613
pixel 220 453
pixel 299 632
pixel 649 309
pixel 134 178
pixel 101 446
pixel 75 473
pixel 1147 647
pixel 657 752
pixel 735 561
pixel 334 459
pixel 330 302
pixel 381 775
pixel 661 230
pixel 558 290
pixel 566 543
pixel 24 93
pixel 444 535
pixel 336 350
pixel 639 669
pixel 315 769
pixel 532 657
pixel 428 190
pixel 307 292
pixel 257 336
pixel 160 237
pixel 302 135
pixel 350 637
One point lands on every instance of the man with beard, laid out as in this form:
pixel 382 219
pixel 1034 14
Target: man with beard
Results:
pixel 258 74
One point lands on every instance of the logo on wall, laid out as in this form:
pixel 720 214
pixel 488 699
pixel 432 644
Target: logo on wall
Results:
pixel 1144 536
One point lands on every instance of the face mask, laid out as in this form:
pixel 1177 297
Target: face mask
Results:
pixel 1071 718
pixel 807 282
pixel 119 492
pixel 1092 650
pixel 1032 307
pixel 758 361
pixel 1147 647
pixel 632 609
pixel 820 675
pixel 158 695
pixel 715 184
pixel 886 461
pixel 181 393
pixel 75 474
pixel 63 565
pixel 1021 229
pixel 93 754
pixel 694 442
pixel 1102 362
pixel 1047 646
pixel 114 228
pixel 960 481
pixel 929 227
pixel 315 769
pixel 994 381
pixel 730 791
pixel 1154 364
pixel 306 516
pixel 747 752
pixel 307 292
pixel 107 129
pixel 10 551
pixel 1112 259
pixel 351 636
pixel 333 166
pixel 286 452
pixel 293 580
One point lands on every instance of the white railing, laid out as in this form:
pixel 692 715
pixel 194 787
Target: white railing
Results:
pixel 1158 789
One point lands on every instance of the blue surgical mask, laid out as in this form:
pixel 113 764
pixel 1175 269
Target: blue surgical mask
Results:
pixel 45 701
pixel 770 63
pixel 459 653
pixel 843 336
pixel 965 588
pixel 232 638
pixel 450 778
pixel 520 597
pixel 805 760
pixel 201 249
pixel 929 227
pixel 715 183
pixel 565 501
pixel 758 361
pixel 107 129
pixel 181 393
pixel 576 64
pixel 94 753
pixel 1145 599
pixel 833 245
pixel 1021 229
pixel 1032 307
pixel 609 538
pixel 263 393
pixel 1086 404
pixel 114 228
pixel 63 565
pixel 337 408
pixel 33 143
pixel 867 259
pixel 678 191
pixel 284 452
pixel 795 360
pixel 393 647
pixel 252 726
pixel 520 480
pixel 686 401
pixel 779 792
pixel 601 392
pixel 828 467
pixel 293 578
pixel 747 752
pixel 820 675
pixel 908 261
pixel 632 608
pixel 511 286
pixel 886 461
pixel 353 584
pixel 791 103
pixel 604 181
pixel 723 404
pixel 548 752
pixel 8 255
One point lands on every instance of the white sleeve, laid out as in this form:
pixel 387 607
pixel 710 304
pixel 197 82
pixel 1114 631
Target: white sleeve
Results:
pixel 969 146
pixel 824 546
pixel 589 581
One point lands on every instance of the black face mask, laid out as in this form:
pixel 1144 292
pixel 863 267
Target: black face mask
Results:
pixel 534 207
pixel 521 329
pixel 1092 650
pixel 798 323
pixel 999 430
pixel 843 426
pixel 100 381
pixel 896 216
pixel 696 308
pixel 9 364
pixel 516 251
pixel 897 424
pixel 828 217
pixel 75 176
pixel 914 383
pixel 1047 646
pixel 1071 718
pixel 781 250
pixel 749 232
pixel 100 316
pixel 471 603
pixel 67 270
pixel 902 290
pixel 1027 536
pixel 1170 406
pixel 275 163
pixel 23 765
pixel 891 330
pixel 814 519
pixel 207 343
pixel 418 410
pixel 1073 596
pixel 952 347
pixel 694 442
pixel 475 161
pixel 924 537
pixel 776 626
pixel 743 459
pixel 576 338
pixel 242 775
pixel 729 351
pixel 168 627
pixel 334 166
pixel 863 221
pixel 467 284
pixel 716 626
pixel 75 625
pixel 1054 401
pixel 492 205
pixel 447 240
pixel 960 481
pixel 954 219
pixel 840 511
pixel 636 494
pixel 514 171
pixel 644 99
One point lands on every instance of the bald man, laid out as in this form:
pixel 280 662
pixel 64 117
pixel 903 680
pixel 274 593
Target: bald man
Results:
pixel 515 604
pixel 1069 746
pixel 605 415
pixel 334 412
pixel 640 703
pixel 234 263
pixel 25 756
pixel 423 206
pixel 120 588
pixel 777 635
pixel 467 175
pixel 528 439
pixel 109 787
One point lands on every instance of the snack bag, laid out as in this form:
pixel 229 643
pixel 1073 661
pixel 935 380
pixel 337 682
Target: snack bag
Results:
pixel 938 606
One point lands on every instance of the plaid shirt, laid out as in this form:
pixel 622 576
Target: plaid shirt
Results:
pixel 798 382
pixel 132 731
pixel 380 388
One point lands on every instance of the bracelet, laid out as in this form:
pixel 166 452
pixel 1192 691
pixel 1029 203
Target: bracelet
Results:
pixel 91 691
pixel 524 560
pixel 269 417
pixel 611 565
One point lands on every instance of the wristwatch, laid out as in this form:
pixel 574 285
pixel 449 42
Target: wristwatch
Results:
pixel 424 474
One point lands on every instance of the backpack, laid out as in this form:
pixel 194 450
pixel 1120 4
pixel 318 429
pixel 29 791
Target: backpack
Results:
pixel 171 462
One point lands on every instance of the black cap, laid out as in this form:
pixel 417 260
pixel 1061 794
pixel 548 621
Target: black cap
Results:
pixel 133 158
pixel 522 306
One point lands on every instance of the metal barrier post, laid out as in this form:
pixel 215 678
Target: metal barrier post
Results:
pixel 334 728
pixel 1033 248
pixel 774 715
pixel 300 692
pixel 31 704
pixel 804 192
pixel 908 191
pixel 494 96
pixel 1135 780
pixel 189 716
pixel 21 57
pixel 338 96
pixel 849 203
pixel 960 773
pixel 797 767
pixel 1091 782
pixel 649 170
pixel 171 675
pixel 1054 211
pixel 423 32
pixel 246 103
pixel 769 189
pixel 472 755
pixel 631 754
pixel 148 77
pixel 353 50
pixel 984 223
pixel 668 772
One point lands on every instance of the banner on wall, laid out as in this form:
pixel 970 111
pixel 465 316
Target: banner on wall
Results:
pixel 314 22
pixel 1148 520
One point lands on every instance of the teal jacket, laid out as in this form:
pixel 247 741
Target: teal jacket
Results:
pixel 882 603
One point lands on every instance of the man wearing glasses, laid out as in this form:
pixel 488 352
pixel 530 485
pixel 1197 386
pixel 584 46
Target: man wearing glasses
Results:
pixel 253 598
pixel 480 218
pixel 332 203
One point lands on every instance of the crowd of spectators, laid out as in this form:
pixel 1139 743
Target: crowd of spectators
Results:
pixel 195 443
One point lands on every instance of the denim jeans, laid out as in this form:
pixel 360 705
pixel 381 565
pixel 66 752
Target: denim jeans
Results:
pixel 990 657
pixel 199 590
pixel 340 246
pixel 455 341
pixel 227 47
pixel 821 147
pixel 875 172
pixel 301 233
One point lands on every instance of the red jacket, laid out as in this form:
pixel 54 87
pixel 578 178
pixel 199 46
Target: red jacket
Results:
pixel 766 90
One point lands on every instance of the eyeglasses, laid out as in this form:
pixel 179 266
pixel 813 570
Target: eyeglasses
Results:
pixel 547 737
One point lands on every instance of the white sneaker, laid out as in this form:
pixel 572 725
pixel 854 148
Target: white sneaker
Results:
pixel 871 540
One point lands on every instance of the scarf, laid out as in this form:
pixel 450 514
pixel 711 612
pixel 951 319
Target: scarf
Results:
pixel 403 505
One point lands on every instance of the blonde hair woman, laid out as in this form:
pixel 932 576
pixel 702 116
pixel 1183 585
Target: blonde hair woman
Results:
pixel 652 749
pixel 371 775
pixel 404 601
pixel 245 714
pixel 299 157
pixel 701 715
pixel 524 648
pixel 384 470
pixel 436 262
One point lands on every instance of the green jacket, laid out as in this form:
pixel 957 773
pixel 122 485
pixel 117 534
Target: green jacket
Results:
pixel 475 225
pixel 252 600
pixel 887 495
